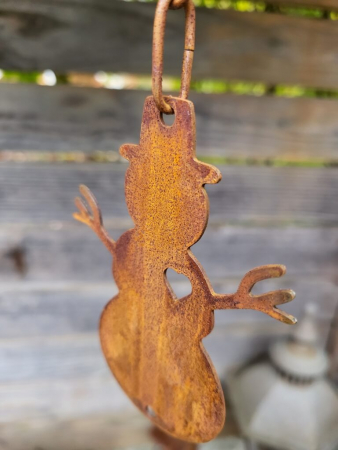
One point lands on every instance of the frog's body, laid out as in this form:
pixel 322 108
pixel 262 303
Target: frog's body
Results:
pixel 151 339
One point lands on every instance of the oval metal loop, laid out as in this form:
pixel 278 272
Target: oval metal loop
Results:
pixel 158 45
pixel 176 4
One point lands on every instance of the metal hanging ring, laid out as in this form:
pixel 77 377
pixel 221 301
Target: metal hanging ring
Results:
pixel 176 4
pixel 158 45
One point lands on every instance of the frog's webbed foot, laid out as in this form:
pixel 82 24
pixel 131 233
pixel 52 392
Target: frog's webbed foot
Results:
pixel 92 218
pixel 267 302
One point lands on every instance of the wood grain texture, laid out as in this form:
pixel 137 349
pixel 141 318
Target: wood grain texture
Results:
pixel 51 366
pixel 66 118
pixel 71 358
pixel 40 194
pixel 65 377
pixel 79 357
pixel 100 432
pixel 115 36
pixel 61 310
pixel 107 431
pixel 68 255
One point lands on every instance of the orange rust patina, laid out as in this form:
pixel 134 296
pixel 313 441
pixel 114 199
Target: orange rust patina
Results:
pixel 151 339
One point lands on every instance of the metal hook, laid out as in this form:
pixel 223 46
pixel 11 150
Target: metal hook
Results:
pixel 158 44
pixel 176 4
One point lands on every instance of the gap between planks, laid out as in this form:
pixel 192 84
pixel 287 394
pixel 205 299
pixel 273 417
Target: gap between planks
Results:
pixel 116 36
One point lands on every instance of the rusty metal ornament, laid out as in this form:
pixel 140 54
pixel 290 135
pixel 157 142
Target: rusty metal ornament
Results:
pixel 151 339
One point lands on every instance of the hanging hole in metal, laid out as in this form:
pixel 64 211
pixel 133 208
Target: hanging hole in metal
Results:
pixel 168 119
pixel 158 45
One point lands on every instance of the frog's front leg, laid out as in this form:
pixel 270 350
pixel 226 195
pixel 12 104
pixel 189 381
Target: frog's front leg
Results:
pixel 267 303
pixel 92 219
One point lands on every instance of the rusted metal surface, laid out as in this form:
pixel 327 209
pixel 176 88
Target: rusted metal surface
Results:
pixel 158 44
pixel 177 4
pixel 151 339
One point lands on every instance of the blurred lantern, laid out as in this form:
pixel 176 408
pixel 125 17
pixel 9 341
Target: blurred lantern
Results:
pixel 286 403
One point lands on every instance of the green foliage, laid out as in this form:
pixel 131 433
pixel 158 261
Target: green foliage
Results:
pixel 237 5
pixel 302 12
pixel 300 91
pixel 12 76
pixel 205 86
pixel 15 76
pixel 110 156
pixel 259 6
pixel 62 79
pixel 244 88
pixel 234 87
pixel 219 160
pixel 209 85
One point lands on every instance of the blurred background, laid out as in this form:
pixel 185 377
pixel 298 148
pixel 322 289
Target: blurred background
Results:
pixel 74 76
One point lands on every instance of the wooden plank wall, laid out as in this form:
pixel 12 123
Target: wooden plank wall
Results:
pixel 68 118
pixel 55 277
pixel 91 35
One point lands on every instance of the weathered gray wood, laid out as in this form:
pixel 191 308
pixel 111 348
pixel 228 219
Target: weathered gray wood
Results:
pixel 116 36
pixel 101 432
pixel 110 431
pixel 76 254
pixel 33 310
pixel 62 398
pixel 67 377
pixel 66 118
pixel 46 359
pixel 44 193
pixel 51 309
